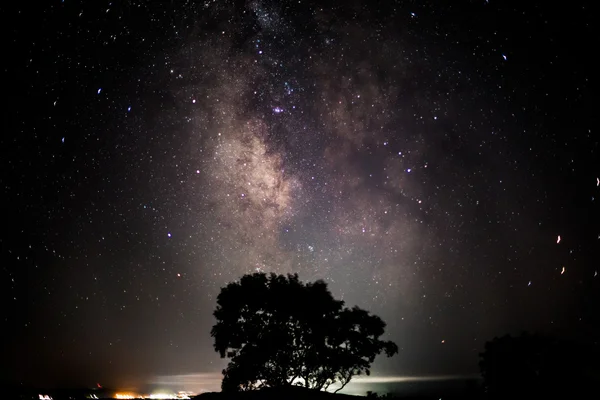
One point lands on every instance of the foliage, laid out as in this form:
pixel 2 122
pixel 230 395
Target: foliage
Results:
pixel 278 331
pixel 533 365
pixel 376 396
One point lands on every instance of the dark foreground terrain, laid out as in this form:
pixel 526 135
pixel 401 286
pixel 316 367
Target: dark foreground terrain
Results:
pixel 307 394
pixel 294 393
pixel 276 393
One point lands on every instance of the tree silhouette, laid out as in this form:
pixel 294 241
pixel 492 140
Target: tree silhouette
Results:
pixel 278 331
pixel 535 366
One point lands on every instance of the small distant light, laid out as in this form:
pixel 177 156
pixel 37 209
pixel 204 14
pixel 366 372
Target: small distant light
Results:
pixel 197 171
pixel 194 101
pixel 99 90
pixel 128 109
pixel 179 275
pixel 169 234
pixel 408 170
pixel 504 56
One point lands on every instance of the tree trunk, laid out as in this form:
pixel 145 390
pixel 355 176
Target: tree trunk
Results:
pixel 345 383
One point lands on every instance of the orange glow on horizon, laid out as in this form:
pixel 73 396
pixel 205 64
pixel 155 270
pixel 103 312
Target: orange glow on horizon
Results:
pixel 127 396
pixel 130 395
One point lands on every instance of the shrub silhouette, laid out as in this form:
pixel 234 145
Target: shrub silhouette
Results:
pixel 534 366
pixel 279 332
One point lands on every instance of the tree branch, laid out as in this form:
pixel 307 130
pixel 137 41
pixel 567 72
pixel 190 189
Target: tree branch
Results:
pixel 345 381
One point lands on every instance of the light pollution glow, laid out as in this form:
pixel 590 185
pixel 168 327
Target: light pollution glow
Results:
pixel 211 382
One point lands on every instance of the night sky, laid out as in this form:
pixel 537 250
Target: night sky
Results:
pixel 435 162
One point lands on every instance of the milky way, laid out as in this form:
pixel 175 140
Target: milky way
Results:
pixel 380 148
pixel 304 161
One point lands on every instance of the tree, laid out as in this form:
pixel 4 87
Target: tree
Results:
pixel 535 366
pixel 278 331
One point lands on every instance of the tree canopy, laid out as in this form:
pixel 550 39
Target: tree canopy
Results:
pixel 278 331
